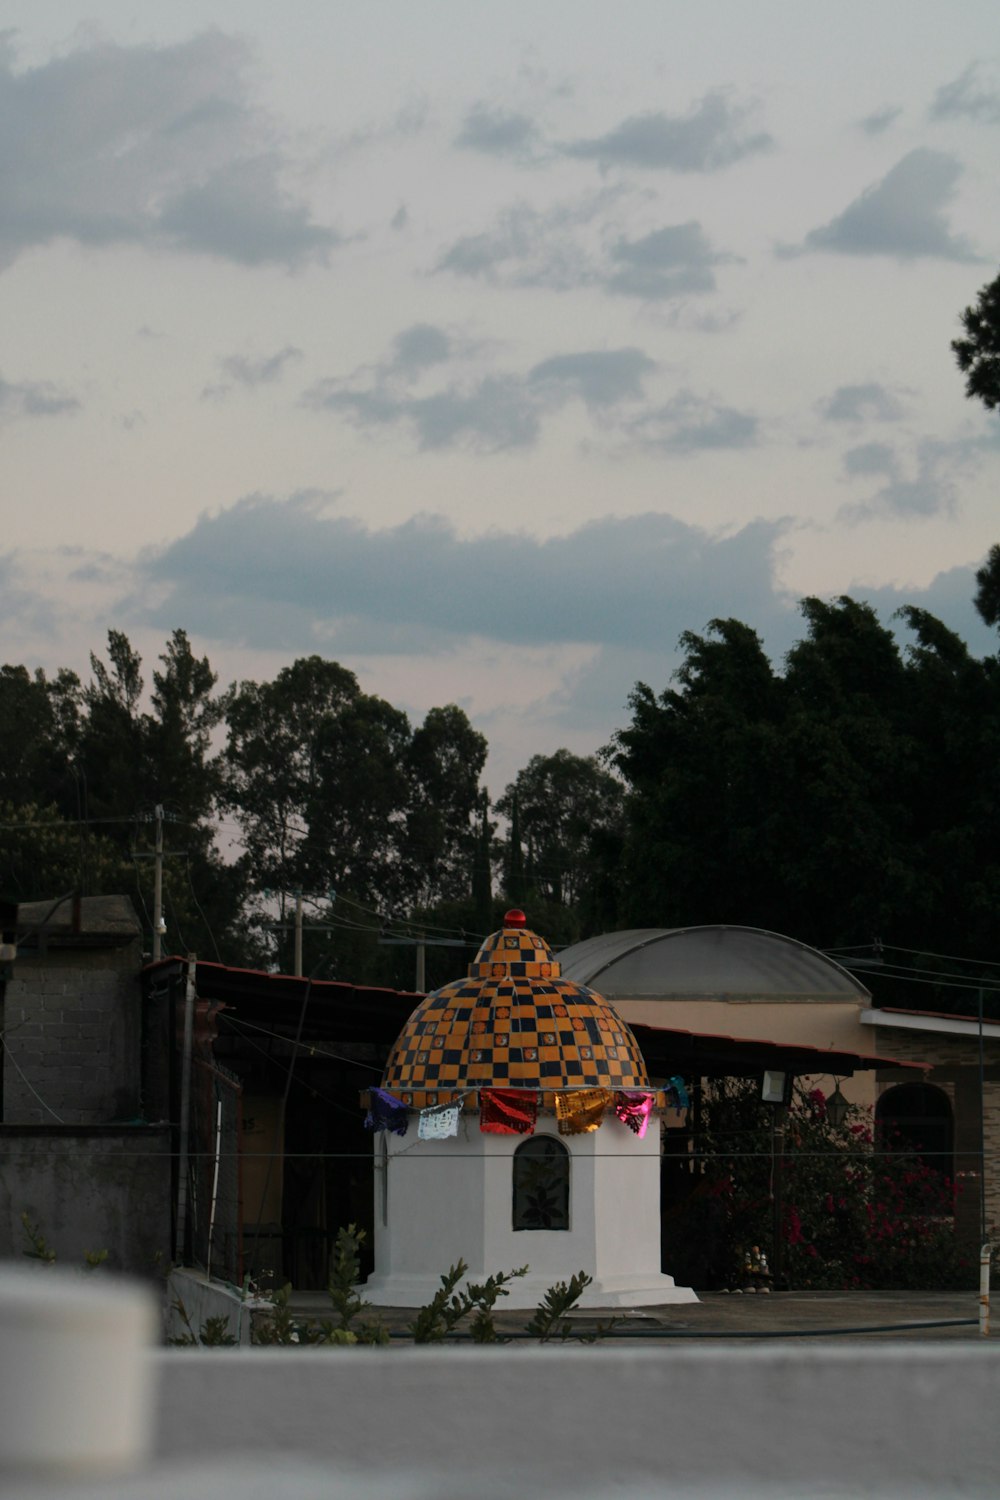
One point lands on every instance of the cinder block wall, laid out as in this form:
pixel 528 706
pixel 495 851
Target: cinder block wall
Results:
pixel 71 1037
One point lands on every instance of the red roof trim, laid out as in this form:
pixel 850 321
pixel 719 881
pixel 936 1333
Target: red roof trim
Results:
pixel 828 1052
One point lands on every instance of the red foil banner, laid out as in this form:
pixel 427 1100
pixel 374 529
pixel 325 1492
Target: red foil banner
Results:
pixel 581 1110
pixel 507 1111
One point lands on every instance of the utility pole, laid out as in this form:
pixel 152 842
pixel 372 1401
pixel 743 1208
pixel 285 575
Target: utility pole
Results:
pixel 422 943
pixel 183 1186
pixel 298 934
pixel 158 887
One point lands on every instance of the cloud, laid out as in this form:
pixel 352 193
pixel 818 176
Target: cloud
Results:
pixel 498 132
pixel 488 413
pixel 867 402
pixel 599 377
pixel 903 215
pixel 492 414
pixel 528 247
pixel 34 398
pixel 930 491
pixel 241 213
pixel 551 636
pixel 712 135
pixel 689 423
pixel 558 249
pixel 419 347
pixel 284 576
pixel 948 596
pixel 157 146
pixel 870 458
pixel 878 122
pixel 264 566
pixel 670 262
pixel 969 96
pixel 243 370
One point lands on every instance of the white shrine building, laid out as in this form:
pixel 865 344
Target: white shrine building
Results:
pixel 541 1171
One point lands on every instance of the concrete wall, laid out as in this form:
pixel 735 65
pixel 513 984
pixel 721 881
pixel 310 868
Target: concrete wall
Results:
pixel 821 1419
pixel 97 1188
pixel 192 1298
pixel 450 1200
pixel 71 1037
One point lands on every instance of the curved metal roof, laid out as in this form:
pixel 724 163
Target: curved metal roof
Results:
pixel 717 962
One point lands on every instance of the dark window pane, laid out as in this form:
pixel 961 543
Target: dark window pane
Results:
pixel 541 1184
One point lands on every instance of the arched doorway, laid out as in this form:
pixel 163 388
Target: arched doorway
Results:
pixel 915 1119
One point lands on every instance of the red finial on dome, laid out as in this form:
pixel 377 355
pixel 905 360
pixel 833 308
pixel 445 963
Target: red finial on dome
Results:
pixel 515 918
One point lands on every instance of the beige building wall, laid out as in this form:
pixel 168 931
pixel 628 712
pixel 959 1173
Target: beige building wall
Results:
pixel 953 1060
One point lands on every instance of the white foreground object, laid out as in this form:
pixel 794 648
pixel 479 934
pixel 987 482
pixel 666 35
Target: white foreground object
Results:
pixel 75 1374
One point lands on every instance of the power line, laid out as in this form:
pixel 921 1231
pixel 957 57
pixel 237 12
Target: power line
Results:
pixel 989 963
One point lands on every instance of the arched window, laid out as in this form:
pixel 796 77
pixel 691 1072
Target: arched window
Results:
pixel 541 1184
pixel 914 1119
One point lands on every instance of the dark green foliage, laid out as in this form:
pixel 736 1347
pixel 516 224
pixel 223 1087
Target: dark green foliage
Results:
pixel 987 599
pixel 213 1333
pixel 482 884
pixel 483 1298
pixel 441 840
pixel 844 795
pixel 36 1247
pixel 84 766
pixel 335 794
pixel 446 1308
pixel 851 797
pixel 557 806
pixel 978 354
pixel 548 1319
pixel 348 1305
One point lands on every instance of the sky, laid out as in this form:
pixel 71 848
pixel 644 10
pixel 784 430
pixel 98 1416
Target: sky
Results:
pixel 486 348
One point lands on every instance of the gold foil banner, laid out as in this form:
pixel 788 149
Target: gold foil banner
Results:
pixel 581 1110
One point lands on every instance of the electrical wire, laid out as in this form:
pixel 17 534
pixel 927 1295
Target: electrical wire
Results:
pixel 945 984
pixel 27 1081
pixel 173 917
pixel 194 898
pixel 989 963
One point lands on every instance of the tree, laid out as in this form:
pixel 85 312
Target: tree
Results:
pixel 703 765
pixel 482 884
pixel 112 748
pixel 81 770
pixel 43 856
pixel 184 770
pixel 445 761
pixel 39 723
pixel 978 354
pixel 847 857
pixel 987 600
pixel 556 806
pixel 852 797
pixel 273 776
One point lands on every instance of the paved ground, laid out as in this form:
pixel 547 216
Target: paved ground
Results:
pixel 785 1315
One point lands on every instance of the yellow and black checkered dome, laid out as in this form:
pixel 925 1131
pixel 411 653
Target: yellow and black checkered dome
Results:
pixel 514 1022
